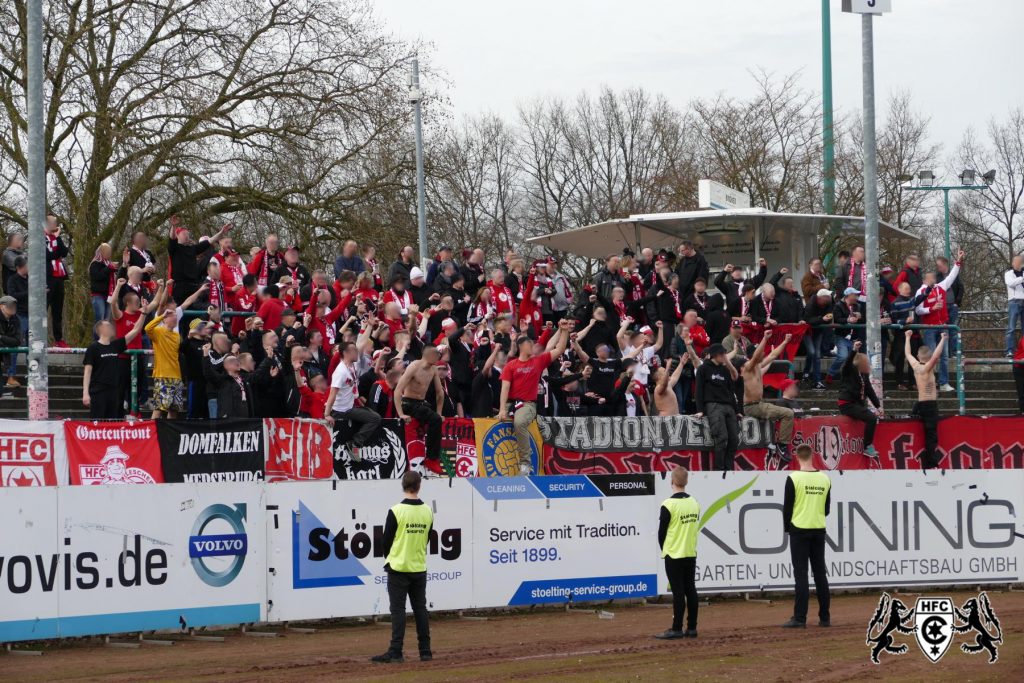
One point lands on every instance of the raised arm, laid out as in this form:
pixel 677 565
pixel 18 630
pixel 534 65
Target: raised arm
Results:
pixel 161 294
pixel 661 336
pixel 776 352
pixel 563 340
pixel 758 355
pixel 584 358
pixel 937 353
pixel 187 303
pixel 663 383
pixel 136 330
pixel 115 310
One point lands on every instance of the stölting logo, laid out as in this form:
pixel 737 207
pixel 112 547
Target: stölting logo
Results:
pixel 218 557
pixel 933 622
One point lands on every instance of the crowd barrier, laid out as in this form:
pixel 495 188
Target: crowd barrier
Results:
pixel 91 560
pixel 82 452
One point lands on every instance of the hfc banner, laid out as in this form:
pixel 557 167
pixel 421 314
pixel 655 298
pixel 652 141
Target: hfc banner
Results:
pixel 113 452
pixel 298 449
pixel 32 453
pixel 212 450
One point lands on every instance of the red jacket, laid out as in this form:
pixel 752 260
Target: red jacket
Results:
pixel 501 298
pixel 324 324
pixel 528 308
pixel 312 402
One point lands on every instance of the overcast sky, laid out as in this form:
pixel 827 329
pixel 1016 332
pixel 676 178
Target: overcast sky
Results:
pixel 960 60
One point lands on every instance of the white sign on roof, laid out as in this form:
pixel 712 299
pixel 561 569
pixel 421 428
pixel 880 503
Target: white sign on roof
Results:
pixel 715 195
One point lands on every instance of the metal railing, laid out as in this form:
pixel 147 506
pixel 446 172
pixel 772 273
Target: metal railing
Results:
pixel 985 330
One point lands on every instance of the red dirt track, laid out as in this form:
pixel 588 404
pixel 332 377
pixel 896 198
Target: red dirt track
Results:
pixel 738 640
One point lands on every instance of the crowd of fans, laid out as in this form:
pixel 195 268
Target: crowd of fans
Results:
pixel 268 335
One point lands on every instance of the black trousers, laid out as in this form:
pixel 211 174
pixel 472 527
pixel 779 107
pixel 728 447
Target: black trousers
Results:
pixel 426 415
pixel 1018 379
pixel 366 421
pixel 413 586
pixel 809 547
pixel 682 575
pixel 928 411
pixel 725 434
pixel 860 412
pixel 105 403
pixel 55 298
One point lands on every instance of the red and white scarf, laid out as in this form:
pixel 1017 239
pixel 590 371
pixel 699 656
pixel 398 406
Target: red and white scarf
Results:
pixel 403 299
pixel 769 304
pixel 215 292
pixel 237 273
pixel 57 267
pixel 675 299
pixel 144 255
pixel 744 306
pixel 483 309
pixel 269 263
pixel 701 300
pixel 620 308
pixel 863 274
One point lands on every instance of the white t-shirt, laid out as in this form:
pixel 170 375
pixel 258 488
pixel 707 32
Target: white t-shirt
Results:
pixel 347 384
pixel 643 362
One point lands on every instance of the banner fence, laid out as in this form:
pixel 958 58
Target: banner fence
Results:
pixel 90 560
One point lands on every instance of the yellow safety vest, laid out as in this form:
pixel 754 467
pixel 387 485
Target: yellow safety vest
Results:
pixel 809 503
pixel 681 538
pixel 409 549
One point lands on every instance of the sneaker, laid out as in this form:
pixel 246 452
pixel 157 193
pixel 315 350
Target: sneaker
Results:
pixel 690 633
pixel 61 344
pixel 13 383
pixel 354 453
pixel 946 388
pixel 819 386
pixel 871 452
pixel 433 466
pixel 824 623
pixel 793 623
pixel 426 657
pixel 671 635
pixel 1008 354
pixel 525 470
pixel 388 658
pixel 784 453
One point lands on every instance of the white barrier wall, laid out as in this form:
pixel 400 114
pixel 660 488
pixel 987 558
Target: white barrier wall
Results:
pixel 885 529
pixel 105 559
pixel 109 559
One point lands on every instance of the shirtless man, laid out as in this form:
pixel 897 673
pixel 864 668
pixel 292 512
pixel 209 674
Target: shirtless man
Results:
pixel 927 406
pixel 410 402
pixel 753 392
pixel 665 399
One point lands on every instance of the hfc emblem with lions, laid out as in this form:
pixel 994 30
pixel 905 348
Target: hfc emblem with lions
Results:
pixel 934 623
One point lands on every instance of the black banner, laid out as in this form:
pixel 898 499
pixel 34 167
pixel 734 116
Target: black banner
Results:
pixel 214 450
pixel 624 484
pixel 385 457
pixel 647 434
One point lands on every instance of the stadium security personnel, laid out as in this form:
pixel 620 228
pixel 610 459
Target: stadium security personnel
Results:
pixel 406 533
pixel 677 535
pixel 804 508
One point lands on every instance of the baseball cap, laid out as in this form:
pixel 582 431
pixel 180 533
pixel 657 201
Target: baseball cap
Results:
pixel 851 290
pixel 824 292
pixel 196 324
pixel 646 329
pixel 715 350
pixel 886 269
pixel 8 301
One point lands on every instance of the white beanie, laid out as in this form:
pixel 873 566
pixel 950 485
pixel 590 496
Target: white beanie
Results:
pixel 415 273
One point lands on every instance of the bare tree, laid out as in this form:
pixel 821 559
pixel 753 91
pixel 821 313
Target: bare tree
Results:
pixel 203 109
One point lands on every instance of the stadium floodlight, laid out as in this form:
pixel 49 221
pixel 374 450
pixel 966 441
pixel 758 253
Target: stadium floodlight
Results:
pixel 925 178
pixel 989 177
pixel 905 178
pixel 967 176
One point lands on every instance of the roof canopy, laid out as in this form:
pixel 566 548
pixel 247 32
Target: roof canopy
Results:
pixel 666 230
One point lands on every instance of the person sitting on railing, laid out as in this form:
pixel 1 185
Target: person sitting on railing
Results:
pixel 817 313
pixel 100 385
pixel 933 311
pixel 927 405
pixel 855 391
pixel 754 404
pixel 847 311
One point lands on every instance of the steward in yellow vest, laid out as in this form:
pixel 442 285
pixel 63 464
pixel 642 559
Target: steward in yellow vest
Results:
pixel 406 533
pixel 804 509
pixel 677 536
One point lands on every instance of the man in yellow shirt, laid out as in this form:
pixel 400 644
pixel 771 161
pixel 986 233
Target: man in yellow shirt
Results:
pixel 805 505
pixel 168 387
pixel 677 536
pixel 406 533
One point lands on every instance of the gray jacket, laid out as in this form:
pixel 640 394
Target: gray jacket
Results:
pixel 561 302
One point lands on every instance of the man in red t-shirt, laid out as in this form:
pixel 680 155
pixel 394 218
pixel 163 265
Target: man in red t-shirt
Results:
pixel 125 314
pixel 520 379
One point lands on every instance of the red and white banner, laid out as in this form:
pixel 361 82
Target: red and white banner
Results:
pixel 964 443
pixel 298 450
pixel 458 446
pixel 113 452
pixel 32 453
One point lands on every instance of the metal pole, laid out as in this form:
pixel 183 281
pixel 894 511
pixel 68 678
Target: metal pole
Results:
pixel 873 313
pixel 38 377
pixel 421 206
pixel 945 205
pixel 826 109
